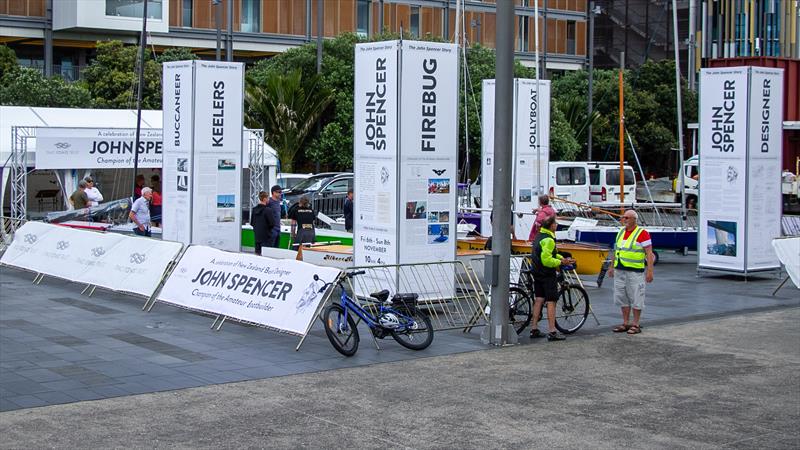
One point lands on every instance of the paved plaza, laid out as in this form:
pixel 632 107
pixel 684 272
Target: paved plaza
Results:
pixel 58 346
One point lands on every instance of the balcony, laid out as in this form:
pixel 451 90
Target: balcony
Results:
pixel 119 15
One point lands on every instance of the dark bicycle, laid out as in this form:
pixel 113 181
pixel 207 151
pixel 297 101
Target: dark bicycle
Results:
pixel 399 317
pixel 572 307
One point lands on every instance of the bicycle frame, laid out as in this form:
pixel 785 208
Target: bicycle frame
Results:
pixel 350 305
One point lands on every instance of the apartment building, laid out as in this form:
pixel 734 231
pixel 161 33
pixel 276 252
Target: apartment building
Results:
pixel 59 35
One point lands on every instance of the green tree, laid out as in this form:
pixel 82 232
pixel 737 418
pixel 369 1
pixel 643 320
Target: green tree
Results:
pixel 176 54
pixel 112 76
pixel 287 107
pixel 8 60
pixel 28 87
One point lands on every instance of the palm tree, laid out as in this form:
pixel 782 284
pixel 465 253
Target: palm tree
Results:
pixel 287 107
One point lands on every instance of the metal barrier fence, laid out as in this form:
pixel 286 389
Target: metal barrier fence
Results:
pixel 650 214
pixel 332 207
pixel 7 228
pixel 448 291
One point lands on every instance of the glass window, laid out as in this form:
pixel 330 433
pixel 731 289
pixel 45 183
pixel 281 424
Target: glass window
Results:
pixel 338 186
pixel 522 34
pixel 570 37
pixel 362 17
pixel 566 176
pixel 186 13
pixel 594 177
pixel 251 16
pixel 414 25
pixel 612 177
pixel 134 8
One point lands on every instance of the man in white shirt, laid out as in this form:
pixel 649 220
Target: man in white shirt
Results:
pixel 140 213
pixel 95 197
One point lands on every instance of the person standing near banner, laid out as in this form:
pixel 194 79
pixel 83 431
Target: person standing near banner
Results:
pixel 303 217
pixel 348 211
pixel 274 219
pixel 545 260
pixel 92 193
pixel 260 220
pixel 156 202
pixel 140 213
pixel 632 263
pixel 79 199
pixel 542 212
pixel 137 190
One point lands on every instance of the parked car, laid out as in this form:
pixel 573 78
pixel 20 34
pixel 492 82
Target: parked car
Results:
pixel 326 191
pixel 604 182
pixel 290 180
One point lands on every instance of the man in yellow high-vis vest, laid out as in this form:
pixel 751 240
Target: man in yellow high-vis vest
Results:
pixel 632 263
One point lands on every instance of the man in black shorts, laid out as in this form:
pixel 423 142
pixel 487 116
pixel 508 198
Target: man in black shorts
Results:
pixel 544 262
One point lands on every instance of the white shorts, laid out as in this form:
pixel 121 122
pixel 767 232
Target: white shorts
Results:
pixel 629 289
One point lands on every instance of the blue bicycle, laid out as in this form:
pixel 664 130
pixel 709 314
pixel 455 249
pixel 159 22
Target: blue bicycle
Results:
pixel 399 317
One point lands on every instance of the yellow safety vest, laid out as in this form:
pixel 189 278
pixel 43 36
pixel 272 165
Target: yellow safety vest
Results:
pixel 629 252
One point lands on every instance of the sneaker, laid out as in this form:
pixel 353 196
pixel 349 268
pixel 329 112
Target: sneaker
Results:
pixel 535 334
pixel 555 336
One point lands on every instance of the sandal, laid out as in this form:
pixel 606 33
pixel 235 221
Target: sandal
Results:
pixel 634 329
pixel 621 328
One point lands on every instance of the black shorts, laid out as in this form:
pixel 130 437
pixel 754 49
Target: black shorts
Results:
pixel 545 287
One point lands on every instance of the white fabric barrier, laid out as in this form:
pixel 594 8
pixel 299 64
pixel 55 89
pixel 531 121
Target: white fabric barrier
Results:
pixel 788 251
pixel 276 293
pixel 113 261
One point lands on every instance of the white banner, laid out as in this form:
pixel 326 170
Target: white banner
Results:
pixel 113 261
pixel 178 114
pixel 530 155
pixel 375 153
pixel 788 252
pixel 531 149
pixel 764 202
pixel 96 148
pixel 280 294
pixel 741 110
pixel 487 155
pixel 428 151
pixel 217 144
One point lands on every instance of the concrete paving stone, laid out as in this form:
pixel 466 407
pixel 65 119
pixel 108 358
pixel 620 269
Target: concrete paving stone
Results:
pixel 55 398
pixel 41 375
pixel 109 391
pixel 25 387
pixel 83 394
pixel 62 385
pixel 27 401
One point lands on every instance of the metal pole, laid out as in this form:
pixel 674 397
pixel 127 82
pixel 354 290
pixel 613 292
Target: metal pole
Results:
pixel 229 40
pixel 503 124
pixel 457 27
pixel 678 109
pixel 308 20
pixel 319 65
pixel 692 44
pixel 48 40
pixel 621 129
pixel 380 17
pixel 544 37
pixel 538 99
pixel 218 23
pixel 591 78
pixel 142 46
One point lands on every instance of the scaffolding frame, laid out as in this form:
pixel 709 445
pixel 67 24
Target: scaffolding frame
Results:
pixel 255 147
pixel 19 174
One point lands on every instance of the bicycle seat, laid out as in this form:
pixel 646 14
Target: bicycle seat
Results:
pixel 381 296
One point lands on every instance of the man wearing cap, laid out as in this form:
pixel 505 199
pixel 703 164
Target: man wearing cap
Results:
pixel 140 213
pixel 274 216
pixel 92 193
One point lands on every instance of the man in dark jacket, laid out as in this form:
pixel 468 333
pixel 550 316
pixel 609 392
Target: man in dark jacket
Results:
pixel 274 213
pixel 348 211
pixel 261 222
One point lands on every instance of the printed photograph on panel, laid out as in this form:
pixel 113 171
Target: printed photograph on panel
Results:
pixel 226 215
pixel 721 238
pixel 226 201
pixel 438 185
pixel 226 164
pixel 433 216
pixel 416 210
pixel 438 234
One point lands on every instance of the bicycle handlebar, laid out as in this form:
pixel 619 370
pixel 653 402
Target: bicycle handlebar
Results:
pixel 346 274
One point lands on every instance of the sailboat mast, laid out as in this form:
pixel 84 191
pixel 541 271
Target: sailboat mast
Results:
pixel 621 129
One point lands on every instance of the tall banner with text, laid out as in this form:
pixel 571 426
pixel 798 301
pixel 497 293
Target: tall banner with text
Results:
pixel 428 156
pixel 530 151
pixel 740 135
pixel 177 94
pixel 375 153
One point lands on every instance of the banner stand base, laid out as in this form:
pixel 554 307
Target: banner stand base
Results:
pixel 774 271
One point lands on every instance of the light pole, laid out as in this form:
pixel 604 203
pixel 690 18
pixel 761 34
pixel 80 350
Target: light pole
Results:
pixel 218 22
pixel 593 11
pixel 142 46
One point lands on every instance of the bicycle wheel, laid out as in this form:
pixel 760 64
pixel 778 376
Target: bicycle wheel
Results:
pixel 416 333
pixel 572 308
pixel 342 334
pixel 519 308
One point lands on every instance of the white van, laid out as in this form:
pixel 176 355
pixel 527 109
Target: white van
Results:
pixel 569 180
pixel 604 183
